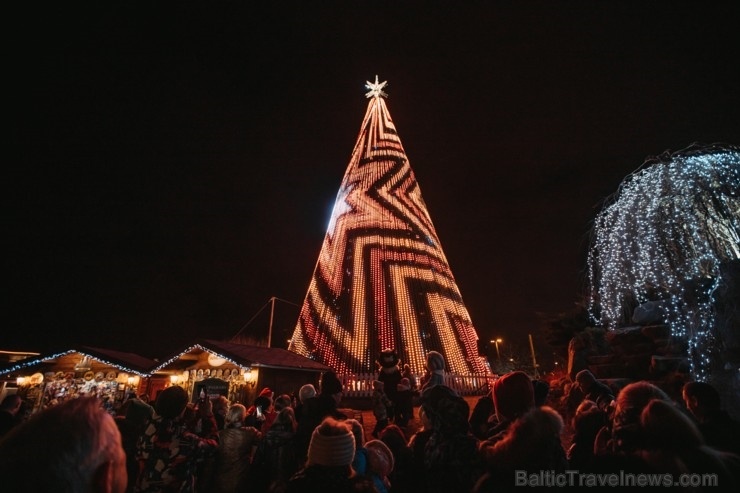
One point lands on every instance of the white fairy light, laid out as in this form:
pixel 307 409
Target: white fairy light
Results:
pixel 664 236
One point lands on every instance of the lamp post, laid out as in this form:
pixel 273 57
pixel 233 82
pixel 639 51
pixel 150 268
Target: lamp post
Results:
pixel 498 354
pixel 534 358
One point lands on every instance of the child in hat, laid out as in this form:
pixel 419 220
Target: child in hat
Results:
pixel 381 403
pixel 329 462
pixel 404 403
pixel 380 462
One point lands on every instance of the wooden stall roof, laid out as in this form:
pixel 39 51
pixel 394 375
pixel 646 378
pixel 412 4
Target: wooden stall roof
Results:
pixel 66 360
pixel 246 355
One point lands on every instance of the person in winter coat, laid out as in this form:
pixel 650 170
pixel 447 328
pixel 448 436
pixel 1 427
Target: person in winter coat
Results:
pixel 133 417
pixel 380 463
pixel 450 457
pixel 73 446
pixel 359 463
pixel 276 459
pixel 204 422
pixel 513 397
pixel 594 390
pixel 236 447
pixel 221 406
pixel 404 404
pixel 306 392
pixel 170 455
pixel 531 443
pixel 586 423
pixel 329 463
pixel 401 478
pixel 315 409
pixel 673 443
pixel 435 371
pixel 381 404
pixel 720 430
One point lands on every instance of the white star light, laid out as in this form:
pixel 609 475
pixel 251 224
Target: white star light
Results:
pixel 376 90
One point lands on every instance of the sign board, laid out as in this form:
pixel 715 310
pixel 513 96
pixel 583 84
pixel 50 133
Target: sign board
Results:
pixel 213 387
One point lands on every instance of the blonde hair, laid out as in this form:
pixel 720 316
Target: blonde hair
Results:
pixel 286 416
pixel 235 416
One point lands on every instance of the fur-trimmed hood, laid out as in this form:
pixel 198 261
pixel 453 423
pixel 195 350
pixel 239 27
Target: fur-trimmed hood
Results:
pixel 532 440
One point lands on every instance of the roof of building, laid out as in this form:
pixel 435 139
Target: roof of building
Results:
pixel 130 362
pixel 248 355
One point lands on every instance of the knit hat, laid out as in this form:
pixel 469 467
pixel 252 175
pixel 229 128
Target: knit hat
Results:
pixel 332 444
pixel 171 402
pixel 266 392
pixel 330 383
pixel 447 411
pixel 513 395
pixel 435 361
pixel 379 458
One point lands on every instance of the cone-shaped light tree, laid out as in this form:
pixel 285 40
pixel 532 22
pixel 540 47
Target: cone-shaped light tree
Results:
pixel 382 280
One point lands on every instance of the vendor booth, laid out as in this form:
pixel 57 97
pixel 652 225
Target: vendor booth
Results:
pixel 47 379
pixel 235 371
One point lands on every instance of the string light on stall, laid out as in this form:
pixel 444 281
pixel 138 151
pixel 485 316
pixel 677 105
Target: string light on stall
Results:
pixel 35 361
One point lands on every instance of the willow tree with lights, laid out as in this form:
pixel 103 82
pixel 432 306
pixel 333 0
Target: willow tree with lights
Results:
pixel 671 235
pixel 382 280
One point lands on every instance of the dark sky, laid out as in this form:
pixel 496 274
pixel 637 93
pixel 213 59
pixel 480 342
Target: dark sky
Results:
pixel 173 164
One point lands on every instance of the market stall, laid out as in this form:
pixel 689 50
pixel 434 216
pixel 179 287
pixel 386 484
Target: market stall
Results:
pixel 48 379
pixel 236 371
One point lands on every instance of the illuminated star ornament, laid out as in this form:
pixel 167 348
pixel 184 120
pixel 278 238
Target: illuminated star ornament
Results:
pixel 376 89
pixel 382 280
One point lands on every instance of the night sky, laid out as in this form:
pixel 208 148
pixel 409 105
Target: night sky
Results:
pixel 173 165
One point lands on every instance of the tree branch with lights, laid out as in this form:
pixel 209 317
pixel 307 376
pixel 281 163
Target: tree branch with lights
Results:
pixel 670 235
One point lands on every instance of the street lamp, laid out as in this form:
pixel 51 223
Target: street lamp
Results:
pixel 497 342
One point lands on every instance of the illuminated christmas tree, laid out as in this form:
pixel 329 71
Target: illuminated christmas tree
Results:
pixel 671 236
pixel 382 280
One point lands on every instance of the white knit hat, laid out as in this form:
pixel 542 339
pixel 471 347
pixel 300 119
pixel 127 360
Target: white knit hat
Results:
pixel 331 450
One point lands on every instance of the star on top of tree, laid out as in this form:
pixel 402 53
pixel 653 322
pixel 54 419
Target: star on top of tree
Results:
pixel 376 89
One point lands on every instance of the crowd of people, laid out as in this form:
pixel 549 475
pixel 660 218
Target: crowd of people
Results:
pixel 511 437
